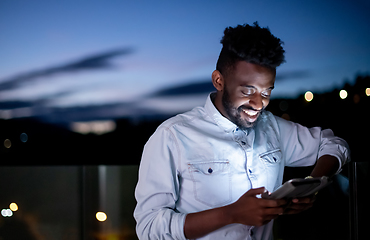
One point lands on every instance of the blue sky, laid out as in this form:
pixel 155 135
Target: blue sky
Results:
pixel 164 44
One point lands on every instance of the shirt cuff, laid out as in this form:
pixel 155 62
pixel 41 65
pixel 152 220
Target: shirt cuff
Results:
pixel 179 228
pixel 339 152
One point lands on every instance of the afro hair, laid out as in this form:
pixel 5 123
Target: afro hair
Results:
pixel 251 44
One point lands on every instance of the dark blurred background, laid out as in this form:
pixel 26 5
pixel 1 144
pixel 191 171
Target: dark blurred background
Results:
pixel 84 85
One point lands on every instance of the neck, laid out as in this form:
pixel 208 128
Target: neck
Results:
pixel 216 99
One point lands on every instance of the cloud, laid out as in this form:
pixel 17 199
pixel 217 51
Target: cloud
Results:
pixel 6 105
pixel 205 86
pixel 161 103
pixel 93 62
pixel 292 75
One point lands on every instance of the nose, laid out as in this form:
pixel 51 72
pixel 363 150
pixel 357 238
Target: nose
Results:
pixel 256 102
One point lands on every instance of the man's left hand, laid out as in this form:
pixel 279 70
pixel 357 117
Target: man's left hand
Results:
pixel 298 205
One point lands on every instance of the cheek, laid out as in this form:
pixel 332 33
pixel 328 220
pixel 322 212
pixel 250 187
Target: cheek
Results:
pixel 242 102
pixel 265 102
pixel 238 101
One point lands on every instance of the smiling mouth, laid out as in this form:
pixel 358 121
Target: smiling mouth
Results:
pixel 249 112
pixel 251 115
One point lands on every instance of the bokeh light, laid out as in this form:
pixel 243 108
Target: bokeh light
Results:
pixel 343 94
pixel 13 207
pixel 7 143
pixel 367 91
pixel 286 116
pixel 356 98
pixel 283 105
pixel 95 127
pixel 6 213
pixel 24 137
pixel 308 96
pixel 101 216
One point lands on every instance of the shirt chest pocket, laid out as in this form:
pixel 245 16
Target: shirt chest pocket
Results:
pixel 211 182
pixel 271 157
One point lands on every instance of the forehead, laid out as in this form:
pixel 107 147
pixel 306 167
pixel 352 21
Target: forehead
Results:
pixel 249 74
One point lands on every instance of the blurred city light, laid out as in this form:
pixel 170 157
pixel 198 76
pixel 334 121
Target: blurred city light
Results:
pixel 96 127
pixel 24 137
pixel 6 213
pixel 113 236
pixel 367 91
pixel 7 143
pixel 101 216
pixel 286 116
pixel 356 98
pixel 283 105
pixel 13 207
pixel 308 96
pixel 5 114
pixel 343 94
pixel 15 113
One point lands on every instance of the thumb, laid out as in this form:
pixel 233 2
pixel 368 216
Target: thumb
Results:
pixel 256 191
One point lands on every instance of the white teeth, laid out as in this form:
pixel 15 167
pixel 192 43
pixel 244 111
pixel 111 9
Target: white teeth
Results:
pixel 250 112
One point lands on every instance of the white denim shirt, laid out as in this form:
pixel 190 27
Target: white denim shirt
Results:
pixel 200 160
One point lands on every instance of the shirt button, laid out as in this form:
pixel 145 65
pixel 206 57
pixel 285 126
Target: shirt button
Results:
pixel 243 142
pixel 250 171
pixel 210 170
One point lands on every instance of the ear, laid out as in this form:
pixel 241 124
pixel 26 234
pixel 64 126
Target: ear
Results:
pixel 218 80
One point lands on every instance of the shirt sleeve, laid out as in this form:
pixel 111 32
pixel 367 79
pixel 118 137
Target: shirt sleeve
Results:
pixel 302 146
pixel 158 189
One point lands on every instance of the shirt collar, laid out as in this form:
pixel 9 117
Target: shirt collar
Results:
pixel 220 120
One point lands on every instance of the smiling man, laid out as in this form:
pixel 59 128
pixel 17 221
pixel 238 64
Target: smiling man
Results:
pixel 202 172
pixel 245 94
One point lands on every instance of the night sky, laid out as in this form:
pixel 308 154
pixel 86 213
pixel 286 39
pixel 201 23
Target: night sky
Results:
pixel 65 55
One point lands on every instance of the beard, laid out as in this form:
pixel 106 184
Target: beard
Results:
pixel 234 113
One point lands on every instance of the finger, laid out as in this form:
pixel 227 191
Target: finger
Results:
pixel 274 216
pixel 281 202
pixel 270 203
pixel 256 191
pixel 291 211
pixel 304 200
pixel 297 208
pixel 301 205
pixel 274 211
pixel 271 217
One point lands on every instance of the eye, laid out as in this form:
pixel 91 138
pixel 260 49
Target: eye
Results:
pixel 248 91
pixel 266 94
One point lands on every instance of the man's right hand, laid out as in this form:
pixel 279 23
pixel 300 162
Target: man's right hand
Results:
pixel 253 211
pixel 248 209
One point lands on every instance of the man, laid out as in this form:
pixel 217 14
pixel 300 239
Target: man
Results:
pixel 202 172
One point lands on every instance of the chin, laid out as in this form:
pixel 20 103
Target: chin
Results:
pixel 245 125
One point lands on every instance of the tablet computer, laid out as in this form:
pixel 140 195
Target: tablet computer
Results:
pixel 298 187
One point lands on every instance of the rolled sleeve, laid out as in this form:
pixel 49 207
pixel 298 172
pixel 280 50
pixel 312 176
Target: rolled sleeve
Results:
pixel 303 146
pixel 158 189
pixel 334 146
pixel 161 224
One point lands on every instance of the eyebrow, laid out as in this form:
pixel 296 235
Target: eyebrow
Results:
pixel 250 86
